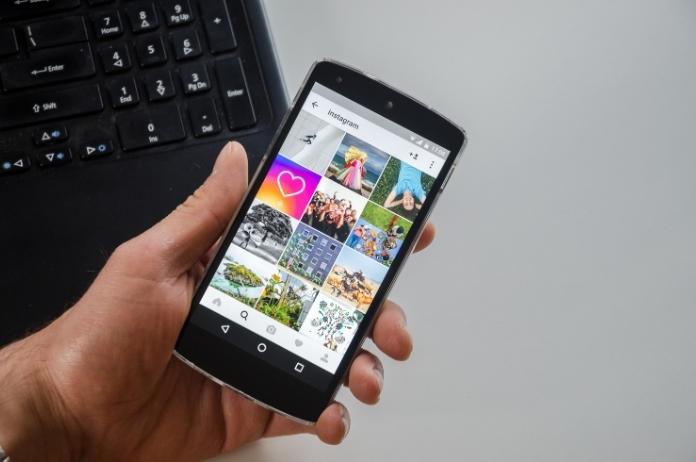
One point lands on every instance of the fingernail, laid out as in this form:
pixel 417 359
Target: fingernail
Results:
pixel 379 373
pixel 345 417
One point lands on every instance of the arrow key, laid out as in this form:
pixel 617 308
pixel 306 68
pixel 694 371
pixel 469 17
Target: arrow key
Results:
pixel 54 158
pixel 159 86
pixel 14 164
pixel 115 59
pixel 95 150
pixel 50 135
pixel 186 44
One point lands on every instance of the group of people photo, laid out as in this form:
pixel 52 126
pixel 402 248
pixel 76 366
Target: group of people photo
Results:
pixel 333 210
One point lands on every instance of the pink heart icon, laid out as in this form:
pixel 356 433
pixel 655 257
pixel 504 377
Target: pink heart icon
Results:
pixel 289 184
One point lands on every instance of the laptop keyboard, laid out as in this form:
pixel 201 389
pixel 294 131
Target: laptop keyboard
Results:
pixel 87 80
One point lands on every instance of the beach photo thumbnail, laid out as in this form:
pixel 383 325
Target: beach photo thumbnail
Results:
pixel 355 279
pixel 357 165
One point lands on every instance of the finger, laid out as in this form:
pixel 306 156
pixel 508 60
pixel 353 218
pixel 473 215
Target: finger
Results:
pixel 426 238
pixel 366 378
pixel 390 333
pixel 331 427
pixel 176 243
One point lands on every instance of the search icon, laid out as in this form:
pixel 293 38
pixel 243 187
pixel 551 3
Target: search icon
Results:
pixel 244 314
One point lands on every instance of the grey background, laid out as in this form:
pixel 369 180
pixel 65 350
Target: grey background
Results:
pixel 554 317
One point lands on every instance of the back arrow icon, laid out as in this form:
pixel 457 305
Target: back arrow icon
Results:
pixel 315 104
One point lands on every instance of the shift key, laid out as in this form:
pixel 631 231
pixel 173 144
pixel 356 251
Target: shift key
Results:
pixel 48 66
pixel 48 105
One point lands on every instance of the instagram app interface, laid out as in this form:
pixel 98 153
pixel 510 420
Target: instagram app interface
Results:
pixel 329 219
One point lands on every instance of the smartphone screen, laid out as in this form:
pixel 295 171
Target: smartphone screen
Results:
pixel 314 246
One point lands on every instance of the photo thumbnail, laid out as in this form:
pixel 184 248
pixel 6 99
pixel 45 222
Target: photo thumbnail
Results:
pixel 333 210
pixel 310 254
pixel 355 279
pixel 402 188
pixel 265 231
pixel 357 165
pixel 287 299
pixel 379 234
pixel 288 187
pixel 331 323
pixel 242 275
pixel 311 142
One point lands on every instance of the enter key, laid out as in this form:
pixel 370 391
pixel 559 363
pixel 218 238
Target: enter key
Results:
pixel 58 64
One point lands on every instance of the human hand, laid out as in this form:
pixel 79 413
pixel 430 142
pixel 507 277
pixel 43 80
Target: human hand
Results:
pixel 100 382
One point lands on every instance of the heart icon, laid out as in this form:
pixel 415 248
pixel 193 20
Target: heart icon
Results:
pixel 289 184
pixel 298 342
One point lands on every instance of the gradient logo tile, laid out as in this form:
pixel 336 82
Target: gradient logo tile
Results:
pixel 288 187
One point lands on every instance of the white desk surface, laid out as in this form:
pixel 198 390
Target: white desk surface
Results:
pixel 555 316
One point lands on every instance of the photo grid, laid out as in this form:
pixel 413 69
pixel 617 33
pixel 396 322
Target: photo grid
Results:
pixel 327 222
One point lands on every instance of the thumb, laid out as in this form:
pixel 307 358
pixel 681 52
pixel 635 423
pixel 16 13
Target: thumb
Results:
pixel 176 243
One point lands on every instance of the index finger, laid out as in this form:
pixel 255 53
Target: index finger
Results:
pixel 426 237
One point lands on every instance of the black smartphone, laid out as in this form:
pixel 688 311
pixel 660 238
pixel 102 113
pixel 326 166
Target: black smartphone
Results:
pixel 330 217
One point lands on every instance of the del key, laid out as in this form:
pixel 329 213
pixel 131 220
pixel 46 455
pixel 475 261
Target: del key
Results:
pixel 146 129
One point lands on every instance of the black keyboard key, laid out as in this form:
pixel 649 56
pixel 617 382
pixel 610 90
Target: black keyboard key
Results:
pixel 235 93
pixel 54 158
pixel 177 12
pixel 159 86
pixel 99 2
pixel 49 105
pixel 204 117
pixel 186 44
pixel 146 129
pixel 14 163
pixel 218 27
pixel 96 149
pixel 54 32
pixel 8 42
pixel 17 8
pixel 123 92
pixel 58 64
pixel 50 135
pixel 142 16
pixel 115 59
pixel 108 25
pixel 151 51
pixel 194 78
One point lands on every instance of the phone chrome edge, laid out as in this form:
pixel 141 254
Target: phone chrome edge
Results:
pixel 192 365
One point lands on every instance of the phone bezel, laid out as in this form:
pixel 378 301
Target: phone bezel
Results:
pixel 260 381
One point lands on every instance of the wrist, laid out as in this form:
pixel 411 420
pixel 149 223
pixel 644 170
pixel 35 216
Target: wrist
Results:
pixel 30 427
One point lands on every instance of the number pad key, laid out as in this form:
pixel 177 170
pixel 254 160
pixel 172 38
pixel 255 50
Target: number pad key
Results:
pixel 194 79
pixel 159 86
pixel 204 117
pixel 145 129
pixel 142 17
pixel 115 59
pixel 151 51
pixel 123 92
pixel 186 44
pixel 177 12
pixel 108 25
